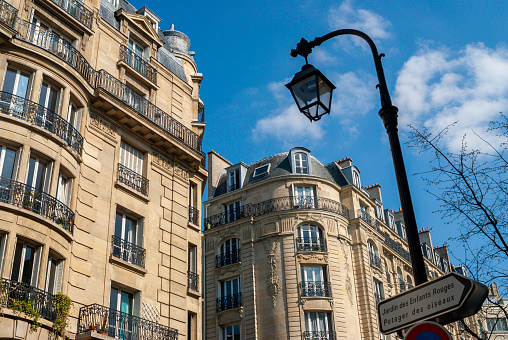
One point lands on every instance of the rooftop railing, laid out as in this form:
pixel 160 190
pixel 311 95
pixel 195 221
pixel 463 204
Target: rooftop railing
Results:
pixel 132 179
pixel 128 251
pixel 77 10
pixel 42 117
pixel 121 325
pixel 229 302
pixel 276 204
pixel 227 258
pixel 41 302
pixel 36 201
pixel 138 63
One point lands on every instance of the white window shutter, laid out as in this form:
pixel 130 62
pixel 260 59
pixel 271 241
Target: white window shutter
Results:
pixel 77 123
pixel 58 278
pixel 35 272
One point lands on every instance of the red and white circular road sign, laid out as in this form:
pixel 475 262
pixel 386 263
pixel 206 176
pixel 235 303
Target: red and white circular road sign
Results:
pixel 428 330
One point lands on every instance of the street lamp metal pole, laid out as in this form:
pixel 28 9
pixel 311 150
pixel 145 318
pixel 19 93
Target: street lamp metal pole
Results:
pixel 388 114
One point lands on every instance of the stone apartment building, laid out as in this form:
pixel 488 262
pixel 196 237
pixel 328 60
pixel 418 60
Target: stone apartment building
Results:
pixel 493 316
pixel 294 249
pixel 101 171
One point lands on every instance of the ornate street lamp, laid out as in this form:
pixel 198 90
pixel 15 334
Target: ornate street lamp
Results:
pixel 313 94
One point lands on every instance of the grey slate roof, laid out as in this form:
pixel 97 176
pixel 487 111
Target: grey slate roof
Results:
pixel 338 176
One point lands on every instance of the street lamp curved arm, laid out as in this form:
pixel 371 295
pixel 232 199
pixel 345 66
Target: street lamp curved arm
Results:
pixel 304 48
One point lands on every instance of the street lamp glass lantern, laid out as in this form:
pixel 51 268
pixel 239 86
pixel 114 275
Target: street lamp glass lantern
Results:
pixel 312 92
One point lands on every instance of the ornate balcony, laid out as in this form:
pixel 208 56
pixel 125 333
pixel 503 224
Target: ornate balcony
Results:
pixel 121 325
pixel 193 215
pixel 229 302
pixel 77 10
pixel 42 117
pixel 227 258
pixel 375 260
pixel 138 63
pixel 315 335
pixel 277 204
pixel 132 179
pixel 315 288
pixel 128 252
pixel 36 201
pixel 311 244
pixel 41 302
pixel 8 14
pixel 193 281
pixel 397 247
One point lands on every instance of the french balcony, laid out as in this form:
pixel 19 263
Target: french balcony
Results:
pixel 193 281
pixel 375 260
pixel 8 14
pixel 315 288
pixel 77 10
pixel 317 335
pixel 227 258
pixel 132 179
pixel 275 205
pixel 129 252
pixel 193 215
pixel 40 116
pixel 311 244
pixel 138 63
pixel 36 201
pixel 229 302
pixel 120 325
pixel 12 292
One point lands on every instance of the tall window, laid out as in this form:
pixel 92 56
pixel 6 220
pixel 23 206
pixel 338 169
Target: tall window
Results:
pixel 233 180
pixel 121 325
pixel 192 276
pixel 409 282
pixel 230 287
pixel 356 179
pixel 229 252
pixel 229 294
pixel 7 161
pixel 131 158
pixel 3 241
pixel 16 82
pixel 48 96
pixel 231 332
pixel 379 292
pixel 25 267
pixel 74 115
pixel 314 281
pixel 402 284
pixel 39 173
pixel 54 275
pixel 301 163
pixel 305 197
pixel 191 326
pixel 128 239
pixel 318 325
pixel 233 211
pixel 310 238
pixel 134 99
pixel 374 254
pixel 135 57
pixel 497 324
pixel 63 191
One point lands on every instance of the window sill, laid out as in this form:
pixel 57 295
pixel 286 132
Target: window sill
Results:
pixel 129 266
pixel 313 303
pixel 132 191
pixel 230 315
pixel 194 226
pixel 193 293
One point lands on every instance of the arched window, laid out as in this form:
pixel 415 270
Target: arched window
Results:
pixel 387 271
pixel 310 238
pixel 402 284
pixel 301 163
pixel 229 252
pixel 356 179
pixel 374 254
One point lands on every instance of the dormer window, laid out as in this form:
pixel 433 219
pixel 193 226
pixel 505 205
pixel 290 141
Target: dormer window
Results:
pixel 233 180
pixel 356 179
pixel 301 163
pixel 262 170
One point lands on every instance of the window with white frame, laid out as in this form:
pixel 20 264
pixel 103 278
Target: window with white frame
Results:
pixel 136 54
pixel 25 267
pixel 374 254
pixel 233 211
pixel 356 179
pixel 229 287
pixel 318 324
pixel 131 158
pixel 192 262
pixel 301 163
pixel 128 238
pixel 125 302
pixel 304 197
pixel 261 170
pixel 8 162
pixel 497 324
pixel 47 37
pixel 38 175
pixel 17 83
pixel 229 252
pixel 409 282
pixel 402 284
pixel 192 326
pixel 379 292
pixel 134 99
pixel 74 115
pixel 49 95
pixel 230 332
pixel 233 180
pixel 314 281
pixel 310 238
pixel 54 274
pixel 64 188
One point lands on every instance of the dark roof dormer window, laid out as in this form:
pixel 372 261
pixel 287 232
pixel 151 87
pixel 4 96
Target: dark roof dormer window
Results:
pixel 233 179
pixel 261 170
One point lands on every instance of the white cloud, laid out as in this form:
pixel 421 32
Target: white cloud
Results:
pixel 435 88
pixel 346 16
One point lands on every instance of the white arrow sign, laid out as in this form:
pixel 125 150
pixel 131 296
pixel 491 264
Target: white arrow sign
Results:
pixel 423 302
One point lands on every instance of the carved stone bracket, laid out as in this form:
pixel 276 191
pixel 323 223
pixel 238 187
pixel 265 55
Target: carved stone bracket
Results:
pixel 272 280
pixel 312 258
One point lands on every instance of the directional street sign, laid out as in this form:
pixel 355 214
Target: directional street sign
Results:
pixel 448 298
pixel 428 330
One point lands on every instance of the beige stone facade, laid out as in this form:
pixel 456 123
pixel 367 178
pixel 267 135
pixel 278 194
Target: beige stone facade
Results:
pixel 295 249
pixel 492 317
pixel 102 175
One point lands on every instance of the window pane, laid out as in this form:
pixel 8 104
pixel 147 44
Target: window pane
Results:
pixel 8 166
pixel 43 94
pixel 118 225
pixel 23 82
pixel 17 262
pixel 10 77
pixel 26 277
pixel 113 299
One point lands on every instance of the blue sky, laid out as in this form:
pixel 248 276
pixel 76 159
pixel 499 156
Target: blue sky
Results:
pixel 445 61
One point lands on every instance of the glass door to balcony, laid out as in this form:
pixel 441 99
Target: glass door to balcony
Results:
pixel 126 234
pixel 310 238
pixel 305 198
pixel 120 318
pixel 26 264
pixel 318 325
pixel 7 165
pixel 16 83
pixel 135 56
pixel 37 181
pixel 313 281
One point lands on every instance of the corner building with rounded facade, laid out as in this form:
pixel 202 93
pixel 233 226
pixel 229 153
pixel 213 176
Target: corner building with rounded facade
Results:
pixel 101 171
pixel 294 249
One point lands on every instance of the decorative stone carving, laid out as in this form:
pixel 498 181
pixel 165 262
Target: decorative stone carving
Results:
pixel 229 271
pixel 312 257
pixel 349 289
pixel 240 313
pixel 302 302
pixel 102 126
pixel 272 280
pixel 163 162
pixel 181 172
pixel 331 302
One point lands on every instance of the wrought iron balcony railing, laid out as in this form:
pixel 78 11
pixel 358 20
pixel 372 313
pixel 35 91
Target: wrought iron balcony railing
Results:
pixel 317 335
pixel 193 281
pixel 121 325
pixel 40 301
pixel 375 260
pixel 397 247
pixel 8 14
pixel 229 302
pixel 77 10
pixel 42 117
pixel 277 204
pixel 138 63
pixel 402 285
pixel 193 215
pixel 227 258
pixel 144 107
pixel 29 198
pixel 128 252
pixel 56 45
pixel 315 288
pixel 132 179
pixel 311 244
